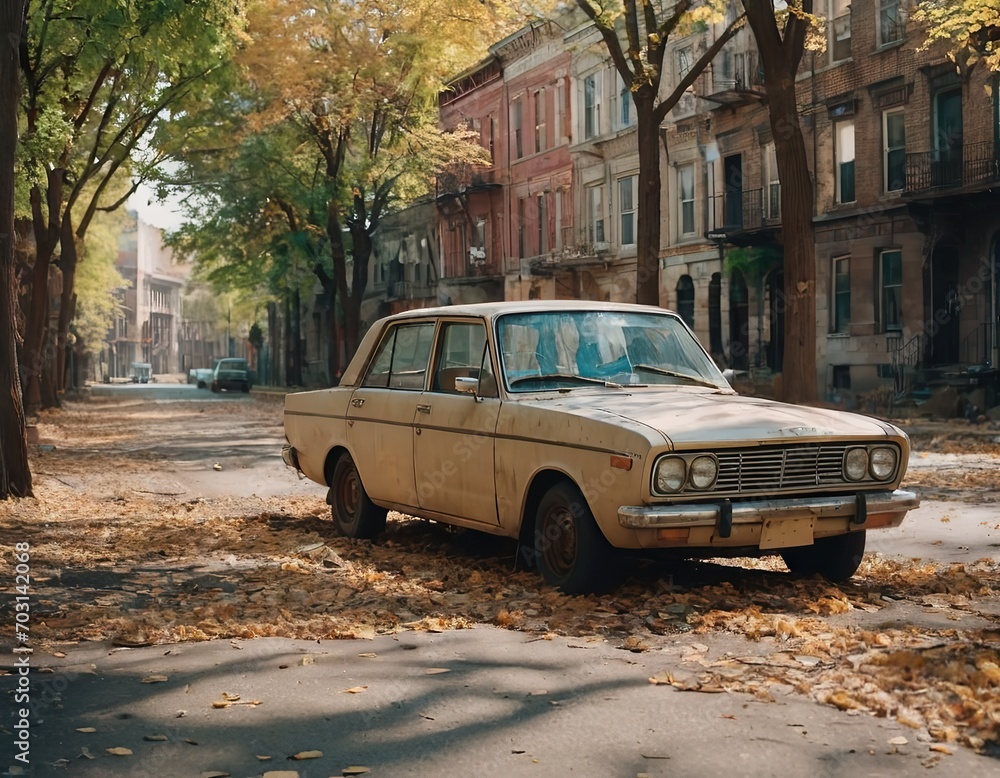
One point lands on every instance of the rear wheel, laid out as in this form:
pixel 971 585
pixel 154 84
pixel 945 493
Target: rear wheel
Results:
pixel 246 387
pixel 836 558
pixel 215 387
pixel 353 512
pixel 570 551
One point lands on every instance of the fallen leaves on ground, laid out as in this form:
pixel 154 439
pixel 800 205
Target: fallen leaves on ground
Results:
pixel 121 559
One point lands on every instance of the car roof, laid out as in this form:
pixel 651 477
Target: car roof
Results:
pixel 490 310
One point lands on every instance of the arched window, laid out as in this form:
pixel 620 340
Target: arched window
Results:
pixel 685 300
pixel 739 322
pixel 715 314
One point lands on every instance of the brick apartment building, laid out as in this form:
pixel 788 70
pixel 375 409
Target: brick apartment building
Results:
pixel 904 156
pixel 903 150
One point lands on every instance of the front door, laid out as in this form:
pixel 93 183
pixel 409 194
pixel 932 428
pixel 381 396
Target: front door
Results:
pixel 732 168
pixel 947 306
pixel 454 432
pixel 948 138
pixel 380 417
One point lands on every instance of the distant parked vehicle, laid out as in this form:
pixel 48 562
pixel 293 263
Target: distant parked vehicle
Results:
pixel 202 376
pixel 231 374
pixel 141 372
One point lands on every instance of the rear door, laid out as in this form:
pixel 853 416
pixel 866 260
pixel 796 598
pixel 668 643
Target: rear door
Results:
pixel 381 413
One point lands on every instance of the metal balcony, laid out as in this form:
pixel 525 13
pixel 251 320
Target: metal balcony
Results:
pixel 968 166
pixel 753 209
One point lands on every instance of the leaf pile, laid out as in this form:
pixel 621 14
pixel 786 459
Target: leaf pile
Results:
pixel 114 557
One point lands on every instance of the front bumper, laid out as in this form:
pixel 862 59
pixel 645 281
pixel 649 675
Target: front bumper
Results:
pixel 768 523
pixel 755 511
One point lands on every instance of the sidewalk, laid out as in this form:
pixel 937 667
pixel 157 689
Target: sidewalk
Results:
pixel 482 701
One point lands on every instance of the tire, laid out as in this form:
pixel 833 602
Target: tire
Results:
pixel 202 385
pixel 215 387
pixel 246 388
pixel 836 558
pixel 353 512
pixel 571 552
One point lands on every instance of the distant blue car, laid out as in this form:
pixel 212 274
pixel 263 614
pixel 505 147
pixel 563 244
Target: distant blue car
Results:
pixel 231 374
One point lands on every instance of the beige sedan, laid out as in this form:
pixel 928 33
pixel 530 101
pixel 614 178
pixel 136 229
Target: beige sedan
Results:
pixel 579 428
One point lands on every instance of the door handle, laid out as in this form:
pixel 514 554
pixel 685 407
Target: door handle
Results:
pixel 357 402
pixel 423 409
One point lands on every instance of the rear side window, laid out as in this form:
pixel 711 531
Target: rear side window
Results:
pixel 402 358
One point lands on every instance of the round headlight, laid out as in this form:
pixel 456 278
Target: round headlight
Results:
pixel 856 464
pixel 883 462
pixel 704 470
pixel 670 472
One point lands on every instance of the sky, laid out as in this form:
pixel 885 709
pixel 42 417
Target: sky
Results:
pixel 166 216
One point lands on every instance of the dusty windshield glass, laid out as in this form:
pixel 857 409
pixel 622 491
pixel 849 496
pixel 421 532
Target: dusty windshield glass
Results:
pixel 571 349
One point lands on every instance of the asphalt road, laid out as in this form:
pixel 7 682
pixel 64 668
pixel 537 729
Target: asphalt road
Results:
pixel 483 701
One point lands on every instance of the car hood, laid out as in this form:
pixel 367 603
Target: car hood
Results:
pixel 693 416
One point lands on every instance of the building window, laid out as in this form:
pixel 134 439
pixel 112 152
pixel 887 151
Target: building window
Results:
pixel 685 300
pixel 515 123
pixel 839 30
pixel 894 150
pixel 539 121
pixel 844 152
pixel 891 22
pixel 624 104
pixel 772 183
pixel 683 62
pixel 543 223
pixel 595 211
pixel 492 140
pixel 626 208
pixel 591 105
pixel 685 187
pixel 891 284
pixel 841 294
pixel 521 219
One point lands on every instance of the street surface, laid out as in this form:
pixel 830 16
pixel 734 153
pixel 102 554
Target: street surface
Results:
pixel 191 605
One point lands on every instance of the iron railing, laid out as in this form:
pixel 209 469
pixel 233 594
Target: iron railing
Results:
pixel 906 358
pixel 753 209
pixel 976 347
pixel 738 72
pixel 968 165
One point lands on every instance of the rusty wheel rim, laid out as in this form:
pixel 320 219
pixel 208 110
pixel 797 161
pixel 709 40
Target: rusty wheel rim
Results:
pixel 349 493
pixel 559 540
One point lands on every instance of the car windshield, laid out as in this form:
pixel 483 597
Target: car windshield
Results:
pixel 572 349
pixel 232 364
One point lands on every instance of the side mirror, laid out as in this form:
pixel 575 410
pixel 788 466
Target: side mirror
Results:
pixel 729 374
pixel 467 385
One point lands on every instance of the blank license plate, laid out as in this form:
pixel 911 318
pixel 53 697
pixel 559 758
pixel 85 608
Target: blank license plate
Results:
pixel 786 533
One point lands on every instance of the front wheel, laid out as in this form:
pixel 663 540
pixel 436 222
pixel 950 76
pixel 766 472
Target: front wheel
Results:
pixel 215 387
pixel 353 512
pixel 836 558
pixel 571 552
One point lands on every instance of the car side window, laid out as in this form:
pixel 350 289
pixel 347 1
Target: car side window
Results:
pixel 463 354
pixel 401 361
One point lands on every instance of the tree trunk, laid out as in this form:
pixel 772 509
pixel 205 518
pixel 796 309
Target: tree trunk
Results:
pixel 67 301
pixel 647 270
pixel 15 475
pixel 780 53
pixel 45 220
pixel 798 382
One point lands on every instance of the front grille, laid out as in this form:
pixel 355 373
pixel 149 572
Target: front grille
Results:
pixel 780 468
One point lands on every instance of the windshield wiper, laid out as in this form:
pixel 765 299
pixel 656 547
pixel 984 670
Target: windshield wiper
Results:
pixel 566 377
pixel 673 374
